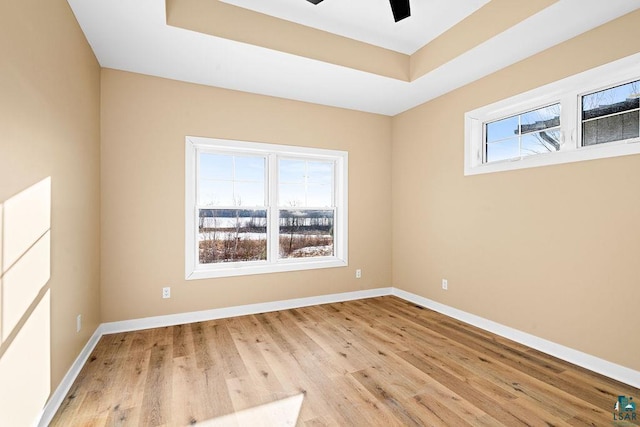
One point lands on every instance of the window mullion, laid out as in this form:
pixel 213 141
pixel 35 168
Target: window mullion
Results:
pixel 195 232
pixel 520 136
pixel 272 206
pixel 339 209
pixel 570 121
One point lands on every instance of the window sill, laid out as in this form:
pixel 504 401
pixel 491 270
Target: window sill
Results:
pixel 593 152
pixel 231 270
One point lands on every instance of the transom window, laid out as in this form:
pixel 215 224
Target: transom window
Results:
pixel 595 114
pixel 258 208
pixel 533 132
pixel 611 114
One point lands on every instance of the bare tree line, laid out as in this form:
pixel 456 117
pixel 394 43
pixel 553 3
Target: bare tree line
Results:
pixel 225 238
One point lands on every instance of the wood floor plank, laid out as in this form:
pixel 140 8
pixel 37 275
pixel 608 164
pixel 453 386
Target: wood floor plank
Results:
pixel 296 381
pixel 156 400
pixel 266 385
pixel 186 382
pixel 374 362
pixel 443 402
pixel 344 358
pixel 489 378
pixel 221 343
pixel 502 412
pixel 543 370
pixel 392 400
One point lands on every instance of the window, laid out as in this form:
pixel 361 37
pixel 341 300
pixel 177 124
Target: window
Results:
pixel 533 132
pixel 258 208
pixel 595 114
pixel 611 114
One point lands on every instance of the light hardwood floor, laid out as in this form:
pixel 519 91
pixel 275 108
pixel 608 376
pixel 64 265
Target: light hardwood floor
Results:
pixel 373 362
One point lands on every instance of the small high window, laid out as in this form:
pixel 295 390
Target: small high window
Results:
pixel 592 115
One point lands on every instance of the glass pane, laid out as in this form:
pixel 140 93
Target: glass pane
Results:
pixel 216 166
pixel 610 101
pixel 503 150
pixel 540 142
pixel 540 119
pixel 291 195
pixel 249 194
pixel 306 233
pixel 319 195
pixel 227 180
pixel 228 235
pixel 305 183
pixel 612 128
pixel 215 193
pixel 501 129
pixel 291 171
pixel 320 172
pixel 250 168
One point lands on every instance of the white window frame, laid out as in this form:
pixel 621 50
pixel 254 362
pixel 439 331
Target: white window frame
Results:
pixel 568 92
pixel 194 270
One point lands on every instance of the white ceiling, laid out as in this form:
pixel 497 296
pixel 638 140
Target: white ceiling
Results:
pixel 371 21
pixel 132 35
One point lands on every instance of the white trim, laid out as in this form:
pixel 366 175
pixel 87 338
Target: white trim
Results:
pixel 240 269
pixel 592 363
pixel 241 310
pixel 271 152
pixel 567 92
pixel 57 397
pixel 595 364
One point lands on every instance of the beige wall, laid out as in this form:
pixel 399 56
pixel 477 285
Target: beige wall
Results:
pixel 144 124
pixel 552 251
pixel 49 200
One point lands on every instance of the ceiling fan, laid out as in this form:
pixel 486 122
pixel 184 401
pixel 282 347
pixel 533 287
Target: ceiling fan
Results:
pixel 400 8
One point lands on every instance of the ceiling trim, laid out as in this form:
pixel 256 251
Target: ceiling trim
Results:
pixel 231 22
pixel 487 22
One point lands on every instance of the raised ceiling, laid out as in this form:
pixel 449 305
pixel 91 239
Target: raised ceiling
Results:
pixel 299 51
pixel 371 21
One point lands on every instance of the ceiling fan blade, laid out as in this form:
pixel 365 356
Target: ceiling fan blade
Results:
pixel 314 1
pixel 400 9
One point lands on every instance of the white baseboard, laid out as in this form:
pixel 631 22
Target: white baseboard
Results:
pixel 592 363
pixel 241 310
pixel 63 388
pixel 601 366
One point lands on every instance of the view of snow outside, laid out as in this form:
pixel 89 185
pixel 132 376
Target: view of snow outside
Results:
pixel 233 214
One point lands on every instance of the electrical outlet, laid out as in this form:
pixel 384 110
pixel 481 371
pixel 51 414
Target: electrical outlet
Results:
pixel 358 274
pixel 166 292
pixel 78 322
pixel 445 284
